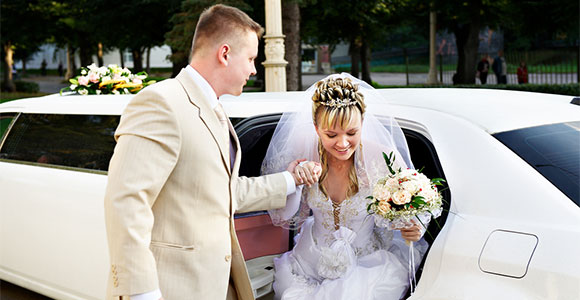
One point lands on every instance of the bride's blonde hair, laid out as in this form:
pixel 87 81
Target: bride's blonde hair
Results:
pixel 335 102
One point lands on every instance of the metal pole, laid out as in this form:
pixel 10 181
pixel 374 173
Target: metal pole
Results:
pixel 406 64
pixel 441 68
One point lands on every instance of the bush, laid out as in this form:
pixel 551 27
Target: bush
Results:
pixel 571 89
pixel 26 86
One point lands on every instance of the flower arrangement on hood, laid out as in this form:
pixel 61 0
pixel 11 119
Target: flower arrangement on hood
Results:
pixel 403 196
pixel 107 80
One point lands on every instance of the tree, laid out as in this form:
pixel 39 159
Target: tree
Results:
pixel 22 30
pixel 292 44
pixel 184 21
pixel 361 24
pixel 135 35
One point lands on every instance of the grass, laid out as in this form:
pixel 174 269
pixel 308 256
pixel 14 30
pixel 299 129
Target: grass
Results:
pixel 5 96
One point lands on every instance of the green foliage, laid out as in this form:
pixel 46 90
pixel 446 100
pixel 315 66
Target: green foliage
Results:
pixel 5 96
pixel 184 21
pixel 571 89
pixel 26 86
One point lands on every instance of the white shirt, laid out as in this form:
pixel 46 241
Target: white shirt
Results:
pixel 210 94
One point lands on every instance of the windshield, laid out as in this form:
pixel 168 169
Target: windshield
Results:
pixel 553 150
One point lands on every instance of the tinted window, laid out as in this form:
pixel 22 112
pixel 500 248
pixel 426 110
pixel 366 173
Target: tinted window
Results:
pixel 79 141
pixel 553 150
pixel 5 120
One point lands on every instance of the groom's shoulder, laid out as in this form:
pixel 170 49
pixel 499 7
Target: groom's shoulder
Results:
pixel 165 88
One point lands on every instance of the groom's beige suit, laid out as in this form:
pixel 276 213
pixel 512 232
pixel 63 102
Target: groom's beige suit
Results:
pixel 171 198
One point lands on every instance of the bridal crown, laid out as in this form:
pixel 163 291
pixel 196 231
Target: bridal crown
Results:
pixel 337 93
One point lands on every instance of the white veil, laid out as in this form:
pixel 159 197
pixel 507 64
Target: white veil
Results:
pixel 295 137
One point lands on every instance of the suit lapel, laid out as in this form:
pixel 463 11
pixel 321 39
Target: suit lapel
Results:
pixel 237 147
pixel 206 114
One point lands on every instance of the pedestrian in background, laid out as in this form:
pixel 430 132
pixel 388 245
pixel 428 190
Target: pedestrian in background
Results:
pixel 499 67
pixel 483 69
pixel 522 73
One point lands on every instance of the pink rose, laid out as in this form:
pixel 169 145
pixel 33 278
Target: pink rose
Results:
pixel 83 80
pixel 93 77
pixel 137 81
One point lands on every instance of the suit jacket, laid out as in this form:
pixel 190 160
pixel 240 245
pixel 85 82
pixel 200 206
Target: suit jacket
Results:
pixel 171 198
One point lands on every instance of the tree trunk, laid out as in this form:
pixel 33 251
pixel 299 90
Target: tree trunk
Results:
pixel 177 66
pixel 137 60
pixel 100 54
pixel 467 39
pixel 148 60
pixel 354 51
pixel 291 29
pixel 122 57
pixel 23 71
pixel 86 54
pixel 8 84
pixel 69 63
pixel 365 57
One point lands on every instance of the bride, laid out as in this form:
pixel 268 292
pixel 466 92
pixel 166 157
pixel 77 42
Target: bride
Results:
pixel 340 253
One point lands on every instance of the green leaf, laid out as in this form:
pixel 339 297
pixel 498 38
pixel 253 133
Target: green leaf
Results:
pixel 370 208
pixel 438 181
pixel 389 160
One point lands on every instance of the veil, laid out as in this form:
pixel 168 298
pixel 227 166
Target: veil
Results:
pixel 295 137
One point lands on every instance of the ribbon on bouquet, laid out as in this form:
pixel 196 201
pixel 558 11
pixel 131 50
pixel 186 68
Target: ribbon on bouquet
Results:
pixel 412 278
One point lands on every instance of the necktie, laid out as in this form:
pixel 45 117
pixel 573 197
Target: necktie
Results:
pixel 221 115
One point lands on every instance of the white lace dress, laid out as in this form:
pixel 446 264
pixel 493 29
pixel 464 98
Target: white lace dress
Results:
pixel 357 261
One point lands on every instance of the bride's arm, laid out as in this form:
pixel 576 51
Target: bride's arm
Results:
pixel 307 173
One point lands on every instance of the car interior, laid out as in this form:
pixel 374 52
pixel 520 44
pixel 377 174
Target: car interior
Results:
pixel 255 134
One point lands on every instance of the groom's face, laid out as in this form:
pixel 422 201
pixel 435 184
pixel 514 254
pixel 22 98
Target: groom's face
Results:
pixel 241 63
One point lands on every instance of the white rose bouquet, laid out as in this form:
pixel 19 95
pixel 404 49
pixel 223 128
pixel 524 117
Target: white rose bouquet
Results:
pixel 107 80
pixel 404 195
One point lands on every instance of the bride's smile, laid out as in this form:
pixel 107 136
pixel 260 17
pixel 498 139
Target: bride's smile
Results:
pixel 341 140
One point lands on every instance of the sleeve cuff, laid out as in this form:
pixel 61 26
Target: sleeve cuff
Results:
pixel 153 295
pixel 290 184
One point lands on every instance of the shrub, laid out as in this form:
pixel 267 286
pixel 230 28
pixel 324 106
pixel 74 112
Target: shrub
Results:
pixel 571 89
pixel 26 86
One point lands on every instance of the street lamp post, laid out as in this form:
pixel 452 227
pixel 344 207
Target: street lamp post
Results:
pixel 275 65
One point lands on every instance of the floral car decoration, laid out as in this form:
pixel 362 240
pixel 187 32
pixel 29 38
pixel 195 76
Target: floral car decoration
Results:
pixel 107 80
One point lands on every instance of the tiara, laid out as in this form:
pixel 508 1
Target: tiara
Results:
pixel 338 103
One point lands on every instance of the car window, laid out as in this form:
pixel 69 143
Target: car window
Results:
pixel 5 121
pixel 553 150
pixel 77 141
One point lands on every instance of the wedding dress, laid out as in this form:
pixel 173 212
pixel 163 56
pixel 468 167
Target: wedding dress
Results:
pixel 359 260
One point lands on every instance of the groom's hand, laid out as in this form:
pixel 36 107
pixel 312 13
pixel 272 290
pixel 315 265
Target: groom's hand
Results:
pixel 305 172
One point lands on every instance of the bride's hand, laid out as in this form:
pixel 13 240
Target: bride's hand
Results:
pixel 305 172
pixel 413 233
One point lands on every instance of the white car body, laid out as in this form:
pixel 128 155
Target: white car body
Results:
pixel 510 233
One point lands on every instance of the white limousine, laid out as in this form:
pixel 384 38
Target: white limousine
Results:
pixel 511 161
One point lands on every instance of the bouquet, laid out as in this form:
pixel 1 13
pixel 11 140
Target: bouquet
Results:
pixel 107 80
pixel 404 195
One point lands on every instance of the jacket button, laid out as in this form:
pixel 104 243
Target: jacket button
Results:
pixel 228 258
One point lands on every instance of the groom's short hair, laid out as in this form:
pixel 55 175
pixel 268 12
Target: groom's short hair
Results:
pixel 222 24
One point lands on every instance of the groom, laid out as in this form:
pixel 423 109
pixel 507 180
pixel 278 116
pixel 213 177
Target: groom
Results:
pixel 173 184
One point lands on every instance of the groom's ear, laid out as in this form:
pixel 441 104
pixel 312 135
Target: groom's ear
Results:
pixel 223 54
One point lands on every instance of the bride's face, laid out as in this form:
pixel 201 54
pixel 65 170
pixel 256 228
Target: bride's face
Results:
pixel 341 142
